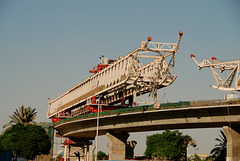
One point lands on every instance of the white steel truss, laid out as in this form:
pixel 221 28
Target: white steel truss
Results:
pixel 144 70
pixel 232 81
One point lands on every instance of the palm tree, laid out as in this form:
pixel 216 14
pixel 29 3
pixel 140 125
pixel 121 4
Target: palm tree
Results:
pixel 21 116
pixel 220 149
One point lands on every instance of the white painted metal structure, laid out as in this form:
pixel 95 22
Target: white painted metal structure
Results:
pixel 144 70
pixel 232 66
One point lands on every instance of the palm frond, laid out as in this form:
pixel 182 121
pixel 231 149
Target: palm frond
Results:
pixel 14 119
pixel 6 125
pixel 221 141
pixel 220 148
pixel 4 130
pixel 224 136
pixel 22 115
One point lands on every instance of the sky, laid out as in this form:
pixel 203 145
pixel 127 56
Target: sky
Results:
pixel 47 47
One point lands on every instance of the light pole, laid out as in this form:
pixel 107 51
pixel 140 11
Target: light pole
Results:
pixel 97 131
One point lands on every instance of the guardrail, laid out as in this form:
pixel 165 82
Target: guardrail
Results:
pixel 214 102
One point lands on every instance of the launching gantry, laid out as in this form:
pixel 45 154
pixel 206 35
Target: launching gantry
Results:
pixel 232 81
pixel 119 82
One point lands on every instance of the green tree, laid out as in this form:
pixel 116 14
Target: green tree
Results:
pixel 26 141
pixel 23 116
pixel 101 155
pixel 220 150
pixel 169 145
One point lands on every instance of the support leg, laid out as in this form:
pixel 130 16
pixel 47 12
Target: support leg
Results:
pixel 91 152
pixel 134 97
pixel 86 152
pixel 117 145
pixel 65 152
pixel 233 143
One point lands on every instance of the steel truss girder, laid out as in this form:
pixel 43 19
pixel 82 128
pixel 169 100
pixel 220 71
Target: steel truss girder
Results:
pixel 159 73
pixel 127 74
pixel 228 83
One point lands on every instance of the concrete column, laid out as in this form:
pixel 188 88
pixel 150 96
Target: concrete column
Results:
pixel 117 145
pixel 233 143
pixel 85 152
pixel 91 152
pixel 65 152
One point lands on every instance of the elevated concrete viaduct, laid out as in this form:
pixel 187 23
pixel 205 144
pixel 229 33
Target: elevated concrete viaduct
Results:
pixel 117 126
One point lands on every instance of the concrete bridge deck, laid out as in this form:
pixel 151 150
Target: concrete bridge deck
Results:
pixel 117 125
pixel 182 118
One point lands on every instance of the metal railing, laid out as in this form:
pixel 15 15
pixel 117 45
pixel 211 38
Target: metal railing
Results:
pixel 214 102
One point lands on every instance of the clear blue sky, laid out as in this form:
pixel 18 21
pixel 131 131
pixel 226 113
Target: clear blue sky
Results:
pixel 46 47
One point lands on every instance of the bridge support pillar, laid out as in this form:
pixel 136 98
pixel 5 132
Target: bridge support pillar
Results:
pixel 117 145
pixel 233 143
pixel 86 152
pixel 91 152
pixel 66 149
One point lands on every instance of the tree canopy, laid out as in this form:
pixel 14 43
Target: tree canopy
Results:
pixel 220 150
pixel 26 141
pixel 23 116
pixel 101 155
pixel 169 145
